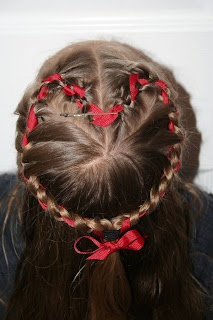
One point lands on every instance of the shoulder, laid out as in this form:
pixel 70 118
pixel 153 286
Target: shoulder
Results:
pixel 202 245
pixel 7 182
pixel 11 244
pixel 202 226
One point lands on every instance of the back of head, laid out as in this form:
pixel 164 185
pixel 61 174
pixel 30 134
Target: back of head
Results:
pixel 92 173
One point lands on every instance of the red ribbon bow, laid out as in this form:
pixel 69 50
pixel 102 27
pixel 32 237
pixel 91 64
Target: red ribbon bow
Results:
pixel 131 240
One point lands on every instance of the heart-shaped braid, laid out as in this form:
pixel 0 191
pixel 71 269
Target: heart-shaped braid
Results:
pixel 123 221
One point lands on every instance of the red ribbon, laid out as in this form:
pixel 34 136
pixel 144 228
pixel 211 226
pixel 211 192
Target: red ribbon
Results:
pixel 76 89
pixel 31 124
pixel 43 92
pixel 66 89
pixel 32 120
pixel 171 126
pixel 52 77
pixel 102 120
pixel 134 78
pixel 69 221
pixel 163 86
pixel 131 240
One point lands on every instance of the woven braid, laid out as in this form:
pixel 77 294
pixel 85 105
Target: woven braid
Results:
pixel 60 213
pixel 99 120
pixel 174 152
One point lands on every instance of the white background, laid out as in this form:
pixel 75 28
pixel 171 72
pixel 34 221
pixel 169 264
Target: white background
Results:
pixel 177 33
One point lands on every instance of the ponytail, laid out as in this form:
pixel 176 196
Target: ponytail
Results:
pixel 109 290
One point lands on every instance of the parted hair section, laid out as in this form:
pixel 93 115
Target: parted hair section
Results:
pixel 100 145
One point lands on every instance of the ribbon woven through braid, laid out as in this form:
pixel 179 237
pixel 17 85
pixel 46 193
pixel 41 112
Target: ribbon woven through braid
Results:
pixel 131 239
pixel 133 79
pixel 100 120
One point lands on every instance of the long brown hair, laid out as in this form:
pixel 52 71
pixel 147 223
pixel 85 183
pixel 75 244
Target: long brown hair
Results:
pixel 105 175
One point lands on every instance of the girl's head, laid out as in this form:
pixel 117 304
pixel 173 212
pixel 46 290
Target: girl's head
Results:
pixel 100 167
pixel 96 173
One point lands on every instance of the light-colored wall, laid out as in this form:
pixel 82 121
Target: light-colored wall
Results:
pixel 177 33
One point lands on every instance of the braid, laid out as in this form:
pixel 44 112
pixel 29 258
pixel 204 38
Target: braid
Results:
pixel 173 155
pixel 55 81
pixel 60 213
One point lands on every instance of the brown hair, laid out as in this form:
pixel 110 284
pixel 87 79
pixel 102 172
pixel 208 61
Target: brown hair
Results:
pixel 105 175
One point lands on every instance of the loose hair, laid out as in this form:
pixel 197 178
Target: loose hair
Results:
pixel 98 177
